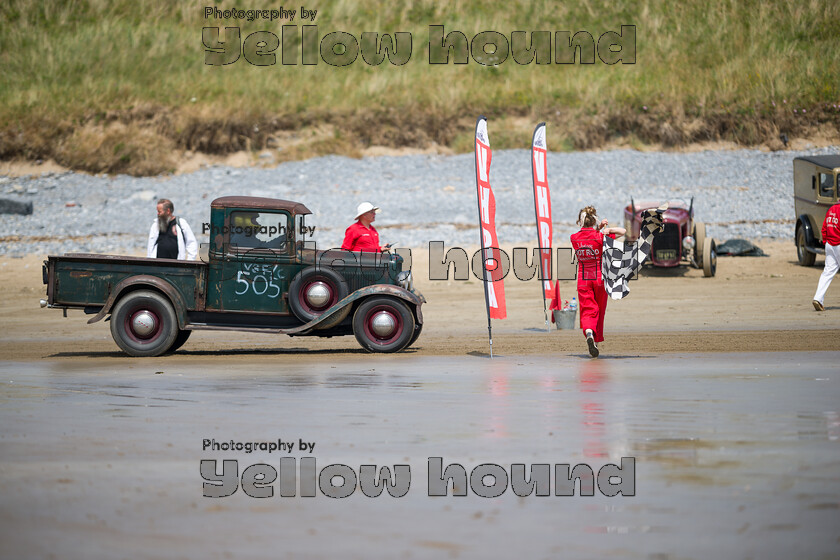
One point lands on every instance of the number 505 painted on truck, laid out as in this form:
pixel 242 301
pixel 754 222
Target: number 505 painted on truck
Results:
pixel 258 278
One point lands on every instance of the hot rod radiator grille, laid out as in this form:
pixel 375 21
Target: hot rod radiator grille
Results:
pixel 667 243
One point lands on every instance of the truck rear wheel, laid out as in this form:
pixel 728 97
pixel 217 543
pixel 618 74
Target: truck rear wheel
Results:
pixel 805 257
pixel 144 324
pixel 383 324
pixel 180 340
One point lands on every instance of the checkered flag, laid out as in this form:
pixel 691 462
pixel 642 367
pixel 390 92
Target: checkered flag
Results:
pixel 621 261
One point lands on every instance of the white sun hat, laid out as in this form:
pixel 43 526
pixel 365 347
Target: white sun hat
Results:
pixel 364 208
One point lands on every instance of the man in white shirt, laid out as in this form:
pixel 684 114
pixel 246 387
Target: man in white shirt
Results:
pixel 171 237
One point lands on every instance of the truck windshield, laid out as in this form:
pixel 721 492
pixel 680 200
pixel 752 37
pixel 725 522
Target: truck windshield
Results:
pixel 259 230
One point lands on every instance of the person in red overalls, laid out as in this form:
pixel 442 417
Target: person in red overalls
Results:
pixel 362 236
pixel 588 245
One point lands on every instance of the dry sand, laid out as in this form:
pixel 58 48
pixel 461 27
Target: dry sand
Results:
pixel 753 304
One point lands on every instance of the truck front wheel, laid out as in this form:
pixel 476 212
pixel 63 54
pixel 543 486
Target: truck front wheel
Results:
pixel 417 330
pixel 383 324
pixel 314 290
pixel 143 324
pixel 805 257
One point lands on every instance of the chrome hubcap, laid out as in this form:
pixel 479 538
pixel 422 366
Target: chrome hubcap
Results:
pixel 143 324
pixel 318 294
pixel 383 324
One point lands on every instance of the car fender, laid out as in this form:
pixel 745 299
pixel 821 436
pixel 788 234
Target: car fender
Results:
pixel 367 291
pixel 806 223
pixel 413 298
pixel 145 280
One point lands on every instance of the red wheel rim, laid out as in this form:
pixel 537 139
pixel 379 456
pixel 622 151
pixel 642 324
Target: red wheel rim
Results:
pixel 139 337
pixel 304 301
pixel 371 334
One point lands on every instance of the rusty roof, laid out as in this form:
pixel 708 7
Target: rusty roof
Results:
pixel 260 203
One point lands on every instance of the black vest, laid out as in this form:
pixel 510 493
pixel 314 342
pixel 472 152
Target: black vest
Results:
pixel 167 243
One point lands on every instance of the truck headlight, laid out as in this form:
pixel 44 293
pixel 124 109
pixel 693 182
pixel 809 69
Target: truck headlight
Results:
pixel 405 280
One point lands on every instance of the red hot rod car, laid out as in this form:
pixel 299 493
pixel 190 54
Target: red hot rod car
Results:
pixel 683 241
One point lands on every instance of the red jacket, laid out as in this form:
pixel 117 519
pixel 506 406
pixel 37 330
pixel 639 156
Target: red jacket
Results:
pixel 831 225
pixel 588 245
pixel 359 238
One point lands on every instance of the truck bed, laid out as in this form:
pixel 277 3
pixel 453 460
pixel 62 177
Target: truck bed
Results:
pixel 81 280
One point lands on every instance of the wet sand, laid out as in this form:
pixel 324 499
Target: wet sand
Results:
pixel 736 456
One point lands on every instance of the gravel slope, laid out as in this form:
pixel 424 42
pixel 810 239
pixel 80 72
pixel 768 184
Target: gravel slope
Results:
pixel 743 193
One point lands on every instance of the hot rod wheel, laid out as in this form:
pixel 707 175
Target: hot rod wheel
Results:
pixel 144 324
pixel 383 324
pixel 709 257
pixel 699 235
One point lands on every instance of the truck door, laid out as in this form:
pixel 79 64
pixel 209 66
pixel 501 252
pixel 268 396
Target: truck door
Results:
pixel 252 270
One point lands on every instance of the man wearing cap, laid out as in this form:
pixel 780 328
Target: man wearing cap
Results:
pixel 362 236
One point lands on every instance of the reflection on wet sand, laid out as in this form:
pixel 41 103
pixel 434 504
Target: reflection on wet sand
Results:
pixel 103 461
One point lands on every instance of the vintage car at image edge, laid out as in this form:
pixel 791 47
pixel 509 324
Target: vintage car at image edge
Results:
pixel 259 275
pixel 815 190
pixel 683 240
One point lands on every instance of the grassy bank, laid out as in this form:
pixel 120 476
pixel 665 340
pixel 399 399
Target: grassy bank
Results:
pixel 119 85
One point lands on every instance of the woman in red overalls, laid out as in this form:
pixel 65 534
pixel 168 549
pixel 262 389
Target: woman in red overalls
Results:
pixel 588 244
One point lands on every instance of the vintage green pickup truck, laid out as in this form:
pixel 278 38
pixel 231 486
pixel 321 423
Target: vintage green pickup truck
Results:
pixel 259 275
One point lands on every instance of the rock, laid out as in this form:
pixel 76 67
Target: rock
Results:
pixel 94 200
pixel 8 206
pixel 145 196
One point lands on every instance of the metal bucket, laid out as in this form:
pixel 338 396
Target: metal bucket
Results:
pixel 565 319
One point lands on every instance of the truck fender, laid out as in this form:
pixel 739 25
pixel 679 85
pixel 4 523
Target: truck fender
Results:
pixel 145 281
pixel 807 225
pixel 376 289
pixel 395 291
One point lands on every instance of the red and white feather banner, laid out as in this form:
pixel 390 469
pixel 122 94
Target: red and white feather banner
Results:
pixel 542 205
pixel 494 287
